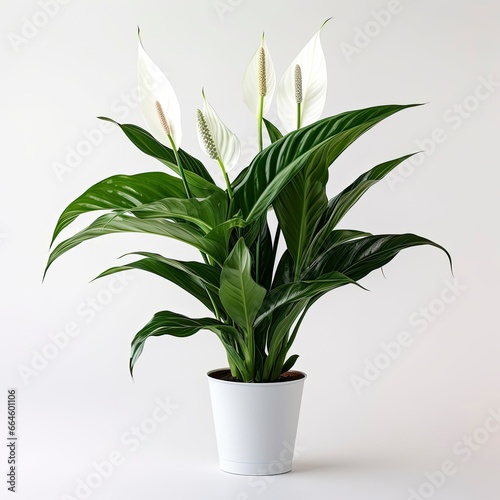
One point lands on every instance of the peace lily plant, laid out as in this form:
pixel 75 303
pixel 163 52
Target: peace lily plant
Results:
pixel 257 291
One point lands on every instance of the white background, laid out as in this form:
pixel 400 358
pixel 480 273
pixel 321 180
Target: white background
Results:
pixel 376 442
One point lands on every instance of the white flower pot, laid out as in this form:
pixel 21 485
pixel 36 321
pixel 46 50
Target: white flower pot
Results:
pixel 255 423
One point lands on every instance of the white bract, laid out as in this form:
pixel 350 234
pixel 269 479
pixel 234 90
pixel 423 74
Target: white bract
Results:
pixel 313 80
pixel 226 143
pixel 252 81
pixel 154 88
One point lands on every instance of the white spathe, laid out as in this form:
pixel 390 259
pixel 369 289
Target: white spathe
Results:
pixel 311 60
pixel 227 144
pixel 251 94
pixel 154 86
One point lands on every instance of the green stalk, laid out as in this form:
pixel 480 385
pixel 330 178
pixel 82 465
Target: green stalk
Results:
pixel 260 122
pixel 299 114
pixel 179 164
pixel 226 178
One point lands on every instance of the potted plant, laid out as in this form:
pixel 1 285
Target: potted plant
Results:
pixel 256 291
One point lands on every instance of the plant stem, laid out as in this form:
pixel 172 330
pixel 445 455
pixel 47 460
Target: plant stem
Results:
pixel 179 164
pixel 226 178
pixel 257 260
pixel 299 115
pixel 214 305
pixel 259 122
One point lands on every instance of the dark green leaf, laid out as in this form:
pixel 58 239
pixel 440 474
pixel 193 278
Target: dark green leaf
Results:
pixel 177 325
pixel 289 293
pixel 358 258
pixel 212 244
pixel 318 143
pixel 200 280
pixel 144 141
pixel 272 130
pixel 121 192
pixel 289 363
pixel 206 213
pixel 342 203
pixel 239 293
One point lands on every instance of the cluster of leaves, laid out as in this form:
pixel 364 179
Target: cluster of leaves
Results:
pixel 257 298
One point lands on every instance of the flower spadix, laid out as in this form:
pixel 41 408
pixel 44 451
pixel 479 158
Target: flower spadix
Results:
pixel 159 104
pixel 216 140
pixel 301 94
pixel 259 81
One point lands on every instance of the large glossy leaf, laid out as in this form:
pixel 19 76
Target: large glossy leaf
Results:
pixel 121 192
pixel 321 142
pixel 206 213
pixel 358 258
pixel 289 293
pixel 241 296
pixel 278 338
pixel 193 167
pixel 263 256
pixel 285 272
pixel 300 205
pixel 200 280
pixel 117 223
pixel 177 325
pixel 339 205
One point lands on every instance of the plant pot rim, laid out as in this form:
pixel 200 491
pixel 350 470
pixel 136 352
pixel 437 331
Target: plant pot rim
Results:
pixel 211 375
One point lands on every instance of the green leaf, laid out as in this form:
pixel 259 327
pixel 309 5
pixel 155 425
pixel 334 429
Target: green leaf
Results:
pixel 206 213
pixel 358 258
pixel 289 363
pixel 278 336
pixel 212 244
pixel 273 131
pixel 342 203
pixel 177 325
pixel 285 271
pixel 200 280
pixel 121 192
pixel 199 180
pixel 289 293
pixel 241 296
pixel 299 207
pixel 318 145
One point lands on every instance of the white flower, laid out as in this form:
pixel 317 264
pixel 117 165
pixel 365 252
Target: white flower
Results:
pixel 259 81
pixel 215 138
pixel 301 92
pixel 159 104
